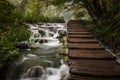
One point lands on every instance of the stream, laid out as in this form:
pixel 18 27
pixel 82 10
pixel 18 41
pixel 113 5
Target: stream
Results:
pixel 45 59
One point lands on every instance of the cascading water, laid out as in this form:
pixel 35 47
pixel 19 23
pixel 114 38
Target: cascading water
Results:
pixel 43 61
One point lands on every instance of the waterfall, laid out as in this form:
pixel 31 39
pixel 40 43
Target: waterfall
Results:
pixel 45 33
pixel 42 61
pixel 38 73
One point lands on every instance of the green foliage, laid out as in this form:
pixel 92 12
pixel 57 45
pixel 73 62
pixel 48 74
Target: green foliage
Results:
pixel 87 22
pixel 58 2
pixel 11 31
pixel 5 14
pixel 17 34
pixel 36 19
pixel 79 14
pixel 105 15
pixel 8 55
pixel 57 19
pixel 108 26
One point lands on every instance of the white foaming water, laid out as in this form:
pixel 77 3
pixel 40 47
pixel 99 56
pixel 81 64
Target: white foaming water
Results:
pixel 47 36
pixel 48 74
pixel 28 57
pixel 24 58
pixel 57 74
pixel 31 55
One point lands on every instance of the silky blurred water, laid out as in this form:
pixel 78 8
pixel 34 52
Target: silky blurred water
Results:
pixel 43 61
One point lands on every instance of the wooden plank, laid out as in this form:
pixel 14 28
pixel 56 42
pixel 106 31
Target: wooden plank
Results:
pixel 74 77
pixel 95 68
pixel 77 30
pixel 86 46
pixel 76 27
pixel 90 54
pixel 82 40
pixel 79 33
pixel 81 36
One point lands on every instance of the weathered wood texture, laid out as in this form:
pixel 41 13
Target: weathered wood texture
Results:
pixel 88 59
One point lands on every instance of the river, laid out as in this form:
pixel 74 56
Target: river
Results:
pixel 46 57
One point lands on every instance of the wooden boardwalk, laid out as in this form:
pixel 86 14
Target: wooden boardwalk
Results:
pixel 88 59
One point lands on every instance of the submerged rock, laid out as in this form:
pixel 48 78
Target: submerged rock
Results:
pixel 35 71
pixel 22 45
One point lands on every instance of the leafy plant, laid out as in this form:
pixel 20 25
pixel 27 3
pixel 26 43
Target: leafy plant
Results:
pixel 11 31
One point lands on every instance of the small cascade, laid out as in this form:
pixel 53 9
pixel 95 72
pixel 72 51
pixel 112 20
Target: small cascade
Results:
pixel 34 72
pixel 42 60
pixel 39 73
pixel 45 33
pixel 56 74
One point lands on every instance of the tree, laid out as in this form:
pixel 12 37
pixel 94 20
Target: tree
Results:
pixel 10 33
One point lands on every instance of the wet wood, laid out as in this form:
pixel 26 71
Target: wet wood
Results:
pixel 76 30
pixel 80 36
pixel 88 59
pixel 86 46
pixel 82 40
pixel 74 77
pixel 95 68
pixel 79 33
pixel 90 54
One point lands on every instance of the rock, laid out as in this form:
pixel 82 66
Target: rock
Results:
pixel 22 45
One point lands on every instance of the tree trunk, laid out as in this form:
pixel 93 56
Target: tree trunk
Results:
pixel 97 8
pixel 89 9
